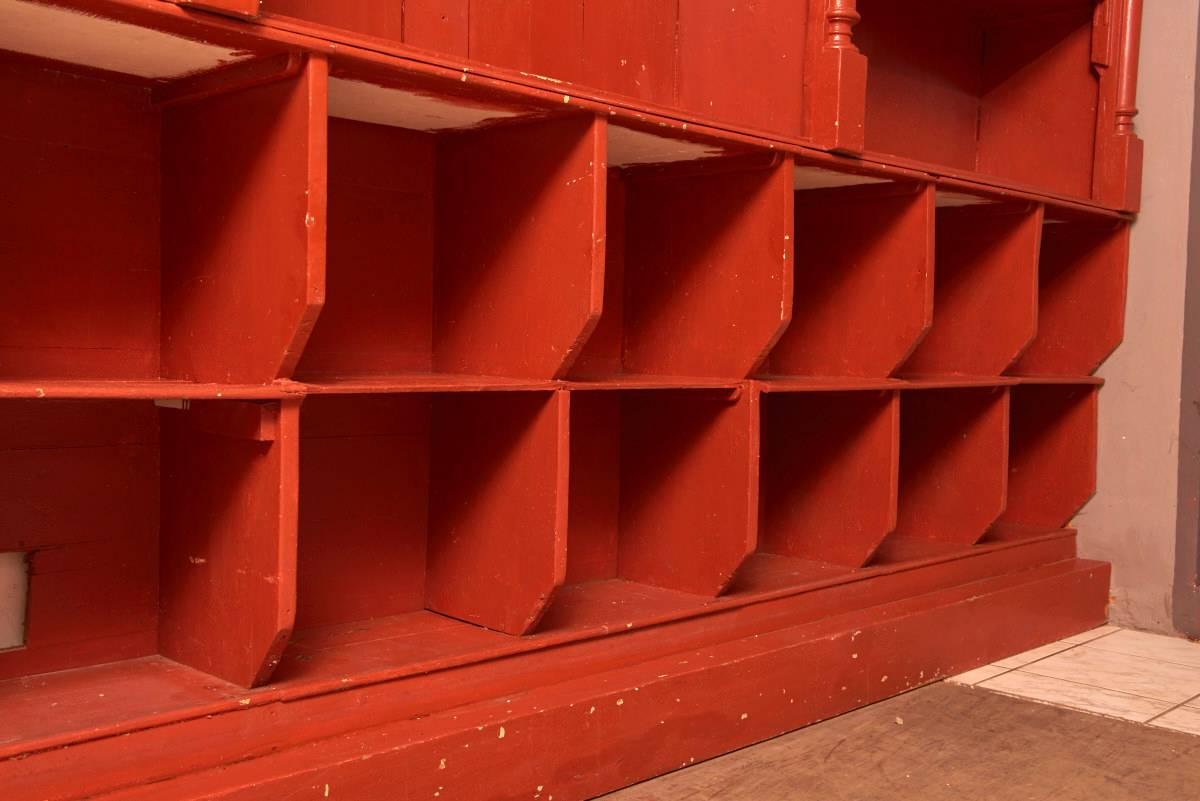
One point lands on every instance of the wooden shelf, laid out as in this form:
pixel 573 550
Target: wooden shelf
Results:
pixel 365 401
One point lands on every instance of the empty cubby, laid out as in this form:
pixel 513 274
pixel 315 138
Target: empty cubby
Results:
pixel 697 267
pixel 1006 88
pixel 863 286
pixel 985 296
pixel 149 530
pixel 430 501
pixel 953 469
pixel 161 228
pixel 829 474
pixel 1052 453
pixel 465 234
pixel 1081 295
pixel 662 499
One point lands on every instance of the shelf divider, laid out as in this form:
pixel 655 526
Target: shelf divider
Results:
pixel 227 561
pixel 243 246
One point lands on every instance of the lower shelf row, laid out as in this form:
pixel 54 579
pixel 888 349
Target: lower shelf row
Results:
pixel 208 531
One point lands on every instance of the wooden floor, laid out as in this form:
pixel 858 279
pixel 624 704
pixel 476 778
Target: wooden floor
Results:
pixel 947 742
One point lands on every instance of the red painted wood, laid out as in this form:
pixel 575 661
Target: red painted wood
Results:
pixel 384 20
pixel 630 48
pixel 440 25
pixel 756 677
pixel 97 591
pixel 227 578
pixel 1002 90
pixel 364 501
pixel 499 466
pixel 408 502
pixel 1081 298
pixel 441 520
pixel 378 313
pixel 538 37
pixel 985 290
pixel 520 216
pixel 81 301
pixel 1037 117
pixel 1117 176
pixel 743 61
pixel 435 257
pixel 953 463
pixel 80 487
pixel 835 79
pixel 938 67
pixel 235 8
pixel 242 289
pixel 261 727
pixel 663 486
pixel 1052 453
pixel 863 283
pixel 829 474
pixel 706 270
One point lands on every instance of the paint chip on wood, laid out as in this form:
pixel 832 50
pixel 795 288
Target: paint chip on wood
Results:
pixel 14 598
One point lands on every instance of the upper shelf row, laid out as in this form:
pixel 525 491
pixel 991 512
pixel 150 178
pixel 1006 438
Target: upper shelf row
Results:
pixel 271 221
pixel 1037 93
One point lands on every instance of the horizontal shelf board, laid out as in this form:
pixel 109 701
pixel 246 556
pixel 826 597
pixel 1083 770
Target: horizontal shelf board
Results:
pixel 630 146
pixel 145 390
pixel 419 111
pixel 107 699
pixel 764 572
pixel 135 694
pixel 827 384
pixel 1088 380
pixel 603 605
pixel 956 381
pixel 652 382
pixel 114 46
pixel 847 384
pixel 421 382
pixel 809 176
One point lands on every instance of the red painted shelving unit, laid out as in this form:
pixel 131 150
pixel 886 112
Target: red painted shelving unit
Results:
pixel 474 393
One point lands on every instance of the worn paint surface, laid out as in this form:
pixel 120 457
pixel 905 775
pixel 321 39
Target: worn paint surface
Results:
pixel 421 401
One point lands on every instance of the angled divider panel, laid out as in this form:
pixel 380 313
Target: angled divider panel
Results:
pixel 243 227
pixel 520 223
pixel 985 290
pixel 1081 297
pixel 152 531
pixel 1052 453
pixel 663 486
pixel 227 580
pixel 863 280
pixel 436 501
pixel 953 465
pixel 829 474
pixel 465 233
pixel 699 266
pixel 498 519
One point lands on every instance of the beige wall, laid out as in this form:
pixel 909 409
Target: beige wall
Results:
pixel 1132 520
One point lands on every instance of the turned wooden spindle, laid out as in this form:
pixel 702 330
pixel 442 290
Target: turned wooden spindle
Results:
pixel 1131 33
pixel 840 17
